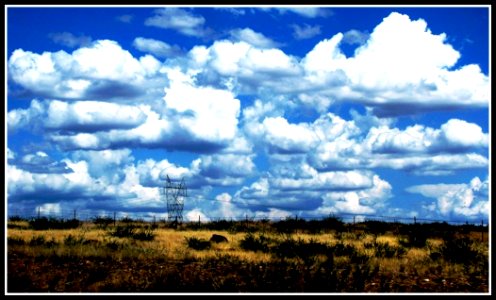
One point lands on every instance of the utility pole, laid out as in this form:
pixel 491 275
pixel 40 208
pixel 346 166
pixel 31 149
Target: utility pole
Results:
pixel 174 195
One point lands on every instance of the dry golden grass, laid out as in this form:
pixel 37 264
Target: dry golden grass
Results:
pixel 57 235
pixel 435 243
pixel 142 262
pixel 387 265
pixel 416 254
pixel 388 239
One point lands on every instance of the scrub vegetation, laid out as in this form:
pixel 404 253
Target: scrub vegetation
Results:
pixel 289 256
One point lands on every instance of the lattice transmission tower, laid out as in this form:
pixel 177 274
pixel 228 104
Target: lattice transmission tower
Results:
pixel 174 194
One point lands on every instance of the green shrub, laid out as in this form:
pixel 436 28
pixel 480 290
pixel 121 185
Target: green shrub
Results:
pixel 459 250
pixel 252 243
pixel 388 251
pixel 416 236
pixel 103 222
pixel 127 220
pixel 123 231
pixel 144 235
pixel 113 245
pixel 37 241
pixel 197 243
pixel 16 219
pixel 45 223
pixel 71 240
pixel 341 249
pixel 15 241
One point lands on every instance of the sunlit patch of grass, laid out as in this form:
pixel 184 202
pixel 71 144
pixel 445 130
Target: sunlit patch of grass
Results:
pixel 417 254
pixel 391 265
pixel 21 224
pixel 323 238
pixel 388 239
pixel 434 243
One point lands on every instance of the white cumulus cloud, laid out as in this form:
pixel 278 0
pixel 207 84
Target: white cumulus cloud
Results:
pixel 458 200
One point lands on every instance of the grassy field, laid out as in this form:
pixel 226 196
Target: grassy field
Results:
pixel 290 256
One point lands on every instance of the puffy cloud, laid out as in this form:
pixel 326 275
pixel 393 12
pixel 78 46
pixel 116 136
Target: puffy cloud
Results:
pixel 18 119
pixel 305 31
pixel 191 117
pixel 205 171
pixel 415 138
pixel 391 42
pixel 283 137
pixel 40 162
pixel 90 116
pixel 88 186
pixel 79 116
pixel 190 103
pixel 50 209
pixel 178 19
pixel 417 149
pixel 273 214
pixel 368 120
pixel 245 60
pixel 341 180
pixel 246 69
pixel 209 114
pixel 404 63
pixel 155 47
pixel 107 165
pixel 218 166
pixel 434 190
pixel 258 190
pixel 443 164
pixel 461 134
pixel 367 201
pixel 227 208
pixel 325 64
pixel 195 215
pixel 40 187
pixel 400 68
pixel 458 200
pixel 153 174
pixel 299 187
pixel 403 68
pixel 102 70
pixel 454 135
pixel 253 38
pixel 342 153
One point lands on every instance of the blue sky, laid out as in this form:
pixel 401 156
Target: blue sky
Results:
pixel 264 111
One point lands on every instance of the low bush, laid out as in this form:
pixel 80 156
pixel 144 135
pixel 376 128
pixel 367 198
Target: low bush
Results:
pixel 131 231
pixel 45 223
pixel 387 251
pixel 144 235
pixel 197 243
pixel 255 243
pixel 103 222
pixel 458 250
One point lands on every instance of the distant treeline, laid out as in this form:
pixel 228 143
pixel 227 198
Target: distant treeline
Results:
pixel 288 225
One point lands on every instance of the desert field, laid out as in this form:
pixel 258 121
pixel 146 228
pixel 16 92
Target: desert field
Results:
pixel 288 256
